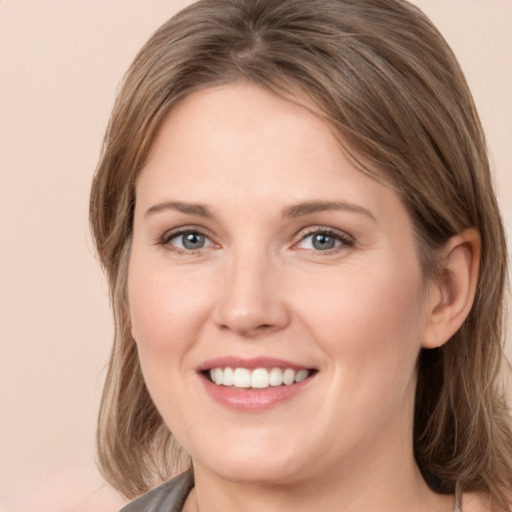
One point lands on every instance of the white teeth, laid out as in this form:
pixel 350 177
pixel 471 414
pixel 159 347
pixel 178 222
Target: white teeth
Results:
pixel 276 377
pixel 300 375
pixel 242 378
pixel 229 377
pixel 260 378
pixel 218 374
pixel 289 376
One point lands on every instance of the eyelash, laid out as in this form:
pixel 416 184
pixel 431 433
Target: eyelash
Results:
pixel 170 235
pixel 346 241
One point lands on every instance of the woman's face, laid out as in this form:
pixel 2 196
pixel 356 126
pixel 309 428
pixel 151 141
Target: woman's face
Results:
pixel 259 248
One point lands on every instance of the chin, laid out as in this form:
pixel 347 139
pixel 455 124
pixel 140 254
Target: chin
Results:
pixel 256 472
pixel 255 463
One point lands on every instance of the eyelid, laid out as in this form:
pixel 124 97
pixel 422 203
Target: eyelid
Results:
pixel 168 235
pixel 345 238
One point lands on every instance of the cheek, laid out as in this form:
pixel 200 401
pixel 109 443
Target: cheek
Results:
pixel 167 310
pixel 167 313
pixel 165 307
pixel 370 327
pixel 369 321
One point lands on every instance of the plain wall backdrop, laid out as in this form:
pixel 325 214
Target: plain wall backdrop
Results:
pixel 60 63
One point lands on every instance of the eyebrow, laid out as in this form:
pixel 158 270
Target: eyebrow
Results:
pixel 307 208
pixel 297 210
pixel 190 208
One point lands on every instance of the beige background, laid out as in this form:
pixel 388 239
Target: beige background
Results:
pixel 61 61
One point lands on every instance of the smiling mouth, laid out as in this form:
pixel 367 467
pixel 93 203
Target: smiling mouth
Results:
pixel 258 378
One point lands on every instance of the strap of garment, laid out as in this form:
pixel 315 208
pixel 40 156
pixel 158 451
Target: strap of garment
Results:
pixel 458 498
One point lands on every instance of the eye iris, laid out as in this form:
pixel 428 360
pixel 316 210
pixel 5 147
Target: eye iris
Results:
pixel 193 240
pixel 323 242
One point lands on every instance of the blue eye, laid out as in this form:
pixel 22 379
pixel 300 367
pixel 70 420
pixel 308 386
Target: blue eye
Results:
pixel 188 240
pixel 324 240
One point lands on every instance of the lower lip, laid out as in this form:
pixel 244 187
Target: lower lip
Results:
pixel 250 399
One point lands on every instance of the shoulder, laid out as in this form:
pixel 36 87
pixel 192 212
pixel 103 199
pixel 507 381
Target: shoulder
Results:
pixel 168 497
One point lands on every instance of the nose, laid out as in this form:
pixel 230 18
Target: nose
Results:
pixel 251 302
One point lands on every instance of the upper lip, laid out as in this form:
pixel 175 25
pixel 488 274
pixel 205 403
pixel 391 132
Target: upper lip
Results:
pixel 250 363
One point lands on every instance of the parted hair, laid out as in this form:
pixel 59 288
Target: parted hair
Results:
pixel 385 79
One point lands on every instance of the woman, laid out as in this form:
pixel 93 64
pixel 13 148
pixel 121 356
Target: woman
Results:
pixel 307 267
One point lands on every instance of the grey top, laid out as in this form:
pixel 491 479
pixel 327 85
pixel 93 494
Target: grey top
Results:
pixel 171 496
pixel 168 497
pixel 458 498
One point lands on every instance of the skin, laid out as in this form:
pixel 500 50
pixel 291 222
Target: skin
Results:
pixel 358 313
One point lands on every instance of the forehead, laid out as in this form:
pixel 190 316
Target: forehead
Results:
pixel 241 142
pixel 229 120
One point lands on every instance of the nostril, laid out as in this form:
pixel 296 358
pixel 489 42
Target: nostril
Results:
pixel 258 329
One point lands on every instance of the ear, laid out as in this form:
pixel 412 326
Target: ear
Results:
pixel 451 297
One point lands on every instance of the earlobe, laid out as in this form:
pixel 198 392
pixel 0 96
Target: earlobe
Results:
pixel 452 299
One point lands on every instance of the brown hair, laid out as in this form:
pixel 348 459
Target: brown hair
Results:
pixel 386 80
